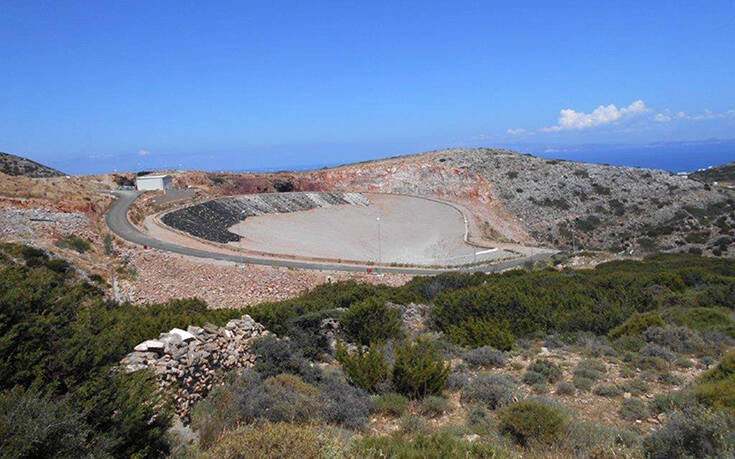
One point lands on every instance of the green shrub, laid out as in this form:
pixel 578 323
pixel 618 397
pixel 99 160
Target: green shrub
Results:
pixel 632 409
pixel 482 333
pixel 637 324
pixel 434 406
pixel 716 387
pixel 370 321
pixel 648 363
pixel 593 370
pixel 344 405
pixel 635 387
pixel 583 383
pixel 683 362
pixel 457 381
pixel 493 391
pixel 434 446
pixel 364 368
pixel 485 356
pixel 607 390
pixel 532 420
pixel 550 371
pixel 32 425
pixel 565 388
pixel 410 423
pixel 667 402
pixel 272 441
pixel 532 377
pixel 419 369
pixel 75 243
pixel 480 418
pixel 670 379
pixel 276 356
pixel 391 403
pixel 694 433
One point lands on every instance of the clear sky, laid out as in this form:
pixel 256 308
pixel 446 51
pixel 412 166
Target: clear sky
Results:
pixel 242 85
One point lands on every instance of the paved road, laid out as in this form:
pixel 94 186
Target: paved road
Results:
pixel 117 220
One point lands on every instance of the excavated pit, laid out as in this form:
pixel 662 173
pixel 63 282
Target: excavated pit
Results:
pixel 210 220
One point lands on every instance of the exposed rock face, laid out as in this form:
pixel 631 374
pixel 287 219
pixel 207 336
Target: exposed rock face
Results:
pixel 188 361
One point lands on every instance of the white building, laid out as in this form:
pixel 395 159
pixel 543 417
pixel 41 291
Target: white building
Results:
pixel 154 182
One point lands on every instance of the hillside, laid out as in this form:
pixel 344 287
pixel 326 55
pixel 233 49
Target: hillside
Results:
pixel 17 165
pixel 721 174
pixel 537 201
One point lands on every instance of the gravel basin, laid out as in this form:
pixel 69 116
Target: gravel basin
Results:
pixel 412 231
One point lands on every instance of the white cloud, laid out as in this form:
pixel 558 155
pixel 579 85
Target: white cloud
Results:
pixel 667 115
pixel 604 114
pixel 518 131
pixel 143 152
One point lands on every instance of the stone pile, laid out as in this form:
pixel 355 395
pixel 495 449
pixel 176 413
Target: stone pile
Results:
pixel 188 361
pixel 210 220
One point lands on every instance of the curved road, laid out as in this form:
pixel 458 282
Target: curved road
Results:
pixel 117 220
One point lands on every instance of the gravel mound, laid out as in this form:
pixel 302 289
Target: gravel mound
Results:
pixel 209 220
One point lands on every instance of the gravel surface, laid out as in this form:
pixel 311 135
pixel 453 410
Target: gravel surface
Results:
pixel 412 231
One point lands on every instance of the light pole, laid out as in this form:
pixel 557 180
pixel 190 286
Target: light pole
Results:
pixel 380 249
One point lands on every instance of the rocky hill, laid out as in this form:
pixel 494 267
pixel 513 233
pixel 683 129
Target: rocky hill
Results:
pixel 17 165
pixel 720 174
pixel 522 198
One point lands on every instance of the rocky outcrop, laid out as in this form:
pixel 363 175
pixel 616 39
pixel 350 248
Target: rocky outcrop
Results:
pixel 189 361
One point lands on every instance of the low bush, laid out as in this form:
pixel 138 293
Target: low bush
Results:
pixel 281 398
pixel 411 423
pixel 277 356
pixel 648 363
pixel 419 369
pixel 493 391
pixel 583 383
pixel 565 388
pixel 590 369
pixel 531 378
pixel 75 243
pixel 532 420
pixel 679 339
pixel 633 409
pixel 654 350
pixel 693 433
pixel 670 379
pixel 548 369
pixel 485 356
pixel 635 387
pixel 607 390
pixel 434 406
pixel 391 403
pixel 482 332
pixel 457 381
pixel 683 362
pixel 370 321
pixel 433 446
pixel 273 441
pixel 32 425
pixel 344 405
pixel 716 387
pixel 667 402
pixel 367 369
pixel 637 324
pixel 480 418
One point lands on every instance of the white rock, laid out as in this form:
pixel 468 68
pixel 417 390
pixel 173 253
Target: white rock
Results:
pixel 183 334
pixel 149 345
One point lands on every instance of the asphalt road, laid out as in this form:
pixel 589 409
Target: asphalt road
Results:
pixel 117 220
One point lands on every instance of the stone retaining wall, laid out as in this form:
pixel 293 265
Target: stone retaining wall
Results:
pixel 188 361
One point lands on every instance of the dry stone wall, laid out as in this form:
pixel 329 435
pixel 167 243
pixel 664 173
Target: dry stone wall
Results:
pixel 189 361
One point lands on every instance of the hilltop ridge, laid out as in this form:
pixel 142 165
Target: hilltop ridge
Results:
pixel 17 165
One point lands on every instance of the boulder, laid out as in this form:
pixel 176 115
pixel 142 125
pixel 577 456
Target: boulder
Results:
pixel 183 334
pixel 150 345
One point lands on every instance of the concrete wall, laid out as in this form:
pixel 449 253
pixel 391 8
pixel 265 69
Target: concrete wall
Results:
pixel 154 183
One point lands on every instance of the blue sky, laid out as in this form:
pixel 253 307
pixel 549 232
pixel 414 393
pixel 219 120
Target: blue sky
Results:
pixel 89 86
